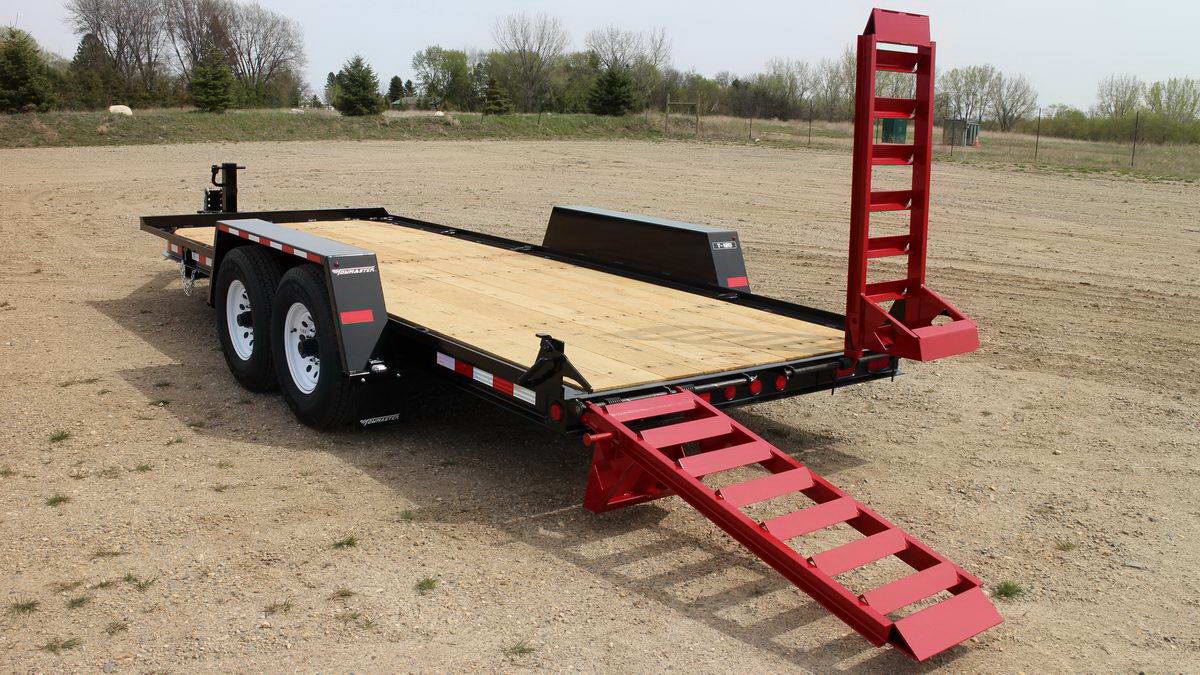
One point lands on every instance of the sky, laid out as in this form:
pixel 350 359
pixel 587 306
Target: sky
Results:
pixel 1063 47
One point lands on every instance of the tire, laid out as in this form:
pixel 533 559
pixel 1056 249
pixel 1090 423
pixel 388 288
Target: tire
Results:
pixel 317 391
pixel 253 273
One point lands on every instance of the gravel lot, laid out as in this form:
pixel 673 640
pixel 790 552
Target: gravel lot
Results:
pixel 162 519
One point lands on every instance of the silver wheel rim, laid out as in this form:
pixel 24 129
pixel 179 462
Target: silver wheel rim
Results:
pixel 298 326
pixel 237 302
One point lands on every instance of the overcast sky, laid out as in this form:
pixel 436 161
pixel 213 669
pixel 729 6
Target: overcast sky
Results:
pixel 1064 47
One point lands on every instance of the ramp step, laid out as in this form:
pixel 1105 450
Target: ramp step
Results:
pixel 892 155
pixel 724 459
pixel 891 200
pixel 935 629
pixel 813 518
pixel 860 552
pixel 896 62
pixel 880 247
pixel 910 589
pixel 687 432
pixel 650 407
pixel 767 487
pixel 895 108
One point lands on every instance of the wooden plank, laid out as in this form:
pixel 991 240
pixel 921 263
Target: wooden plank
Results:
pixel 619 332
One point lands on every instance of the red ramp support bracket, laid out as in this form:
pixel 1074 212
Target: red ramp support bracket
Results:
pixel 655 447
pixel 906 327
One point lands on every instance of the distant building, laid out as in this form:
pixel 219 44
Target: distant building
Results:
pixel 404 103
pixel 960 132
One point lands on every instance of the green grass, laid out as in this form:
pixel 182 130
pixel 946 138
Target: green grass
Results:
pixel 346 542
pixel 138 582
pixel 1008 590
pixel 107 553
pixel 282 607
pixel 152 127
pixel 101 585
pixel 56 645
pixel 1064 545
pixel 23 607
pixel 59 436
pixel 426 585
pixel 57 500
pixel 143 468
pixel 115 627
pixel 78 601
pixel 522 648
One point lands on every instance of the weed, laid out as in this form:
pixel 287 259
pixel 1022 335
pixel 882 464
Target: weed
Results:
pixel 176 440
pixel 59 436
pixel 67 586
pixel 348 616
pixel 347 542
pixel 221 487
pixel 109 472
pixel 23 607
pixel 425 585
pixel 6 472
pixel 162 384
pixel 143 468
pixel 56 645
pixel 224 464
pixel 342 593
pixel 57 500
pixel 1008 590
pixel 104 391
pixel 138 582
pixel 161 402
pixel 106 553
pixel 407 516
pixel 115 627
pixel 278 607
pixel 522 648
pixel 101 585
pixel 1064 545
pixel 78 601
pixel 79 380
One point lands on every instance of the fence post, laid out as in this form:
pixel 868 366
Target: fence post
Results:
pixel 810 116
pixel 750 134
pixel 1037 140
pixel 1136 118
pixel 698 100
pixel 666 114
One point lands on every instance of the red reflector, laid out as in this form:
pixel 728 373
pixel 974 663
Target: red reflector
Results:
pixel 556 412
pixel 358 316
pixel 730 392
pixel 781 382
pixel 707 396
pixel 756 386
pixel 737 281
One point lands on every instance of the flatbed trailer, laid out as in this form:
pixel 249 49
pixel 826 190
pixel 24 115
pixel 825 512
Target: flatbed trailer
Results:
pixel 630 331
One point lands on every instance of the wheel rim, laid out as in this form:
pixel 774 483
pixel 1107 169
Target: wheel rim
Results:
pixel 241 332
pixel 300 334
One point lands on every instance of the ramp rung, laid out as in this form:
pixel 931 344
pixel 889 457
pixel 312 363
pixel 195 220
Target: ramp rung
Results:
pixel 882 247
pixel 891 200
pixel 949 622
pixel 650 407
pixel 910 589
pixel 687 432
pixel 767 487
pixel 860 552
pixel 724 459
pixel 895 108
pixel 813 518
pixel 892 155
pixel 896 62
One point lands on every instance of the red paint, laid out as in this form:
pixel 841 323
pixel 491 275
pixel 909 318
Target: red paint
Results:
pixel 737 282
pixel 632 467
pixel 357 316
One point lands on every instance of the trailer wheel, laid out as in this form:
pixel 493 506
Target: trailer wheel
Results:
pixel 245 293
pixel 308 364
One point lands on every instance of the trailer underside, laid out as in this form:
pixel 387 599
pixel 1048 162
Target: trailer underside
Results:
pixel 623 332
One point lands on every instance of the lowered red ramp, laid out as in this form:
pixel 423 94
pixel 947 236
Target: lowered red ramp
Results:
pixel 665 445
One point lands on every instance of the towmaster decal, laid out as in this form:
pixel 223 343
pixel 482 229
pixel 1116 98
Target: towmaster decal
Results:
pixel 724 245
pixel 353 270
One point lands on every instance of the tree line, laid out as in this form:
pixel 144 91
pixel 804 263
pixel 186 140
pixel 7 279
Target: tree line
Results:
pixel 147 52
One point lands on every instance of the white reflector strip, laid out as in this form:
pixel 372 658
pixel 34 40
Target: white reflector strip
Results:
pixel 483 377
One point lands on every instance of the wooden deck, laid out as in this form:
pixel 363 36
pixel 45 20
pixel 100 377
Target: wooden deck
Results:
pixel 619 332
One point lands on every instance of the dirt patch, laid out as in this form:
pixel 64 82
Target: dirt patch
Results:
pixel 208 531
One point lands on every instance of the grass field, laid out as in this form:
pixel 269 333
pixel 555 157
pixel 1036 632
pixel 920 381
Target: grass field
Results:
pixel 150 127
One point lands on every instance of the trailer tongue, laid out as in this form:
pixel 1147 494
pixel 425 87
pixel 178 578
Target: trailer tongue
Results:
pixel 632 331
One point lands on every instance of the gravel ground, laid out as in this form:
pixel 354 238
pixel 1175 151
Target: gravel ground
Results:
pixel 155 517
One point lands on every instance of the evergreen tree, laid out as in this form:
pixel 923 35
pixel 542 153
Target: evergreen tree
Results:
pixel 212 83
pixel 613 93
pixel 494 100
pixel 315 102
pixel 358 89
pixel 93 79
pixel 331 89
pixel 24 84
pixel 395 90
pixel 409 88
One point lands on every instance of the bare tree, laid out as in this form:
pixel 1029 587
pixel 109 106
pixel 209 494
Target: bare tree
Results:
pixel 615 47
pixel 265 44
pixel 1012 99
pixel 132 32
pixel 1118 95
pixel 195 27
pixel 534 42
pixel 967 91
pixel 1177 99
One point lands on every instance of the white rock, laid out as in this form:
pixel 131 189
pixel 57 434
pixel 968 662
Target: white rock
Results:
pixel 120 110
pixel 439 114
pixel 296 111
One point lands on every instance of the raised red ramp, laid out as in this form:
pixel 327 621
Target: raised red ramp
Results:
pixel 665 445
